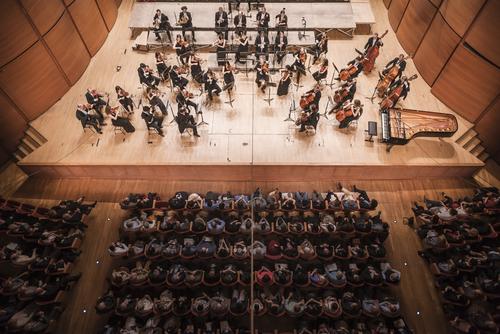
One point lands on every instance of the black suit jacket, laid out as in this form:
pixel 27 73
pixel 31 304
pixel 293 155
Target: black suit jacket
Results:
pixel 243 21
pixel 224 22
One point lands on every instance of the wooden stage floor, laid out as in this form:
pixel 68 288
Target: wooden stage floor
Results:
pixel 247 141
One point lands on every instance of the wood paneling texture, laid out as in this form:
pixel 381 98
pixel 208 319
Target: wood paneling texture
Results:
pixel 89 23
pixel 43 13
pixel 396 11
pixel 484 33
pixel 460 13
pixel 12 124
pixel 436 2
pixel 387 3
pixel 68 2
pixel 416 20
pixel 435 50
pixel 16 33
pixel 4 156
pixel 33 81
pixel 118 3
pixel 109 11
pixel 467 84
pixel 487 128
pixel 68 48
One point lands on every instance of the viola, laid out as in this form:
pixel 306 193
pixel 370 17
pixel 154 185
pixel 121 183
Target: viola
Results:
pixel 306 100
pixel 370 56
pixel 343 113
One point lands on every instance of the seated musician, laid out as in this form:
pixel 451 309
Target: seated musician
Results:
pixel 177 79
pixel 299 64
pixel 357 64
pixel 344 93
pixel 240 22
pixel 195 65
pixel 182 49
pixel 242 51
pixel 263 19
pixel 375 40
pixel 211 86
pixel 161 24
pixel 84 115
pixel 151 121
pixel 120 121
pixel 228 75
pixel 322 72
pixel 316 93
pixel 186 121
pixel 262 45
pixel 286 79
pixel 399 62
pixel 281 20
pixel 221 22
pixel 146 76
pixel 186 22
pixel 320 46
pixel 220 45
pixel 153 96
pixel 262 74
pixel 95 100
pixel 357 111
pixel 161 66
pixel 184 98
pixel 309 117
pixel 124 98
pixel 404 83
pixel 280 44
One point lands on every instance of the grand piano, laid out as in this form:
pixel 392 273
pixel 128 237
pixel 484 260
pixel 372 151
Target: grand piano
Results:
pixel 401 125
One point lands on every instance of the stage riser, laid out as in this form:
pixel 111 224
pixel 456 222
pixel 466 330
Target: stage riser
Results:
pixel 248 173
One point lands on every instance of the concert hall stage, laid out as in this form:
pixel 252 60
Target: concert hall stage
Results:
pixel 249 141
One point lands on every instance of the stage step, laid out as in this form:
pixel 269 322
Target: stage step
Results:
pixel 472 143
pixel 476 151
pixel 18 155
pixel 483 156
pixel 36 136
pixel 31 141
pixel 25 149
pixel 468 135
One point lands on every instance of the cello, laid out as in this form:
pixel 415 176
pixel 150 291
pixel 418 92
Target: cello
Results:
pixel 349 72
pixel 394 95
pixel 370 55
pixel 385 81
pixel 307 99
pixel 344 112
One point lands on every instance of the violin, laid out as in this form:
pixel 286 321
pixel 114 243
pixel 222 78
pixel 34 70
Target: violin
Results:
pixel 187 95
pixel 370 56
pixel 347 73
pixel 307 99
pixel 394 95
pixel 265 68
pixel 386 81
pixel 231 68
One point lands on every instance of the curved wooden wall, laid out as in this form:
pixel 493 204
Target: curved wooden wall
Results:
pixel 45 46
pixel 456 51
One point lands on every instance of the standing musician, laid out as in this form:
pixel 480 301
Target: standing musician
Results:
pixel 399 61
pixel 211 86
pixel 177 79
pixel 182 49
pixel 348 112
pixel 322 72
pixel 405 88
pixel 262 74
pixel 263 19
pixel 161 66
pixel 280 45
pixel 320 46
pixel 184 98
pixel 309 117
pixel 86 118
pixel 151 121
pixel 373 41
pixel 195 65
pixel 240 22
pixel 220 45
pixel 160 24
pixel 281 20
pixel 262 45
pixel 221 22
pixel 228 75
pixel 353 69
pixel 186 121
pixel 153 96
pixel 299 64
pixel 186 22
pixel 146 76
pixel 242 50
pixel 124 98
pixel 285 80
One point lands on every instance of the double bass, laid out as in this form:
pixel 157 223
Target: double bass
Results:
pixel 370 56
pixel 386 80
pixel 394 95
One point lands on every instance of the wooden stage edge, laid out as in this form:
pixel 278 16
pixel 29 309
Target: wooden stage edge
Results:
pixel 246 172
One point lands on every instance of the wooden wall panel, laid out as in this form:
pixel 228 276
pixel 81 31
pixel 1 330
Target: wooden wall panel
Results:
pixel 33 81
pixel 467 84
pixel 416 19
pixel 387 3
pixel 396 11
pixel 484 33
pixel 109 11
pixel 68 48
pixel 68 2
pixel 16 33
pixel 460 13
pixel 118 3
pixel 430 58
pixel 43 13
pixel 12 124
pixel 436 2
pixel 4 156
pixel 89 23
pixel 487 128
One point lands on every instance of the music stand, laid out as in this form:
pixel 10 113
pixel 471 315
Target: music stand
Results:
pixel 297 84
pixel 230 99
pixel 169 106
pixel 325 113
pixel 269 98
pixel 374 92
pixel 335 69
pixel 202 119
pixel 371 131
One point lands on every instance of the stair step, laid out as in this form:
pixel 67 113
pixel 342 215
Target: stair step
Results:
pixel 483 156
pixel 25 149
pixel 473 142
pixel 36 136
pixel 477 150
pixel 468 135
pixel 30 143
pixel 18 155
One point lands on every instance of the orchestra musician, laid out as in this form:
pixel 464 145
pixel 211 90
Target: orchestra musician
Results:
pixel 184 98
pixel 228 75
pixel 405 88
pixel 124 99
pixel 375 40
pixel 322 72
pixel 240 22
pixel 308 117
pixel 280 45
pixel 242 50
pixel 220 45
pixel 344 93
pixel 221 22
pixel 211 86
pixel 146 76
pixel 262 45
pixel 84 115
pixel 119 120
pixel 249 2
pixel 95 100
pixel 349 111
pixel 153 96
pixel 399 61
pixel 263 19
pixel 312 96
pixel 182 49
pixel 262 74
pixel 186 121
pixel 195 65
pixel 281 20
pixel 161 66
pixel 151 120
pixel 186 22
pixel 177 79
pixel 353 69
pixel 299 64
pixel 285 81
pixel 320 46
pixel 160 24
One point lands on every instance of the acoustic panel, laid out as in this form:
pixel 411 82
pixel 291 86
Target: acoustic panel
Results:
pixel 109 11
pixel 396 11
pixel 435 50
pixel 44 13
pixel 484 32
pixel 467 84
pixel 89 23
pixel 16 33
pixel 487 128
pixel 68 48
pixel 68 2
pixel 417 18
pixel 436 3
pixel 460 13
pixel 33 81
pixel 12 124
pixel 387 3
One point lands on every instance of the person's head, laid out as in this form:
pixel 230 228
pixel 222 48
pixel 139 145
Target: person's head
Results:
pixel 375 35
pixel 261 33
pixel 220 9
pixel 227 64
pixel 317 88
pixel 401 56
pixel 313 107
pixel 184 8
pixel 325 62
pixel 283 11
pixel 118 88
pixel 157 54
pixel 158 12
pixel 281 33
pixel 221 37
pixel 240 13
pixel 178 37
pixel 357 103
pixel 404 78
pixel 373 204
